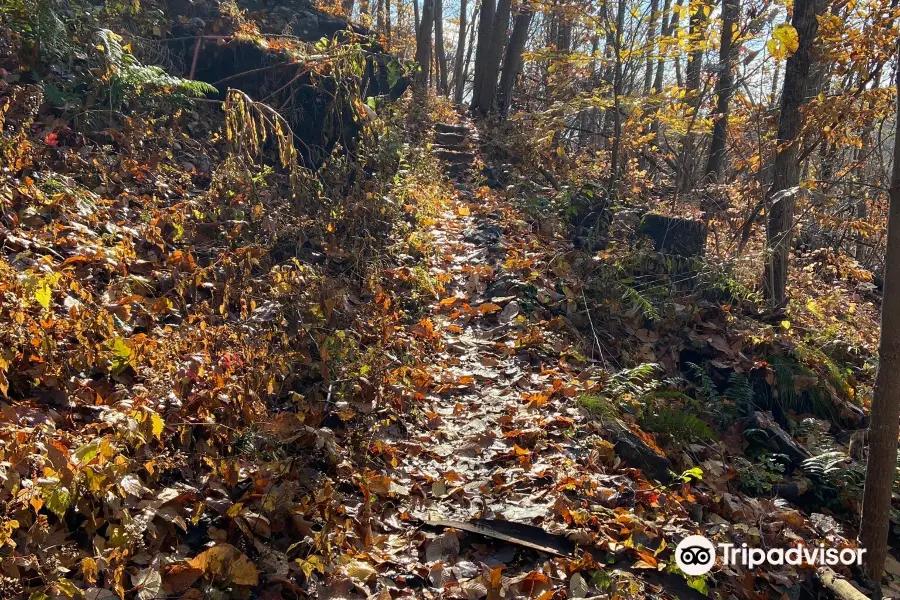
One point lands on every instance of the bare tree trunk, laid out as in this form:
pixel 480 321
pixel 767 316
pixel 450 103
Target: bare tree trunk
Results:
pixel 698 20
pixel 883 429
pixel 617 109
pixel 379 16
pixel 439 46
pixel 488 88
pixel 466 68
pixel 423 43
pixel 786 171
pixel 416 19
pixel 485 28
pixel 676 27
pixel 731 10
pixel 651 43
pixel 512 63
pixel 458 79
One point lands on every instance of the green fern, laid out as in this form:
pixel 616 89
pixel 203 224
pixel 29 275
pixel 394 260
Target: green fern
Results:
pixel 679 424
pixel 706 385
pixel 129 79
pixel 739 389
pixel 639 304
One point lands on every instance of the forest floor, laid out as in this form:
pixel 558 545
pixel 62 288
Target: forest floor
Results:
pixel 510 430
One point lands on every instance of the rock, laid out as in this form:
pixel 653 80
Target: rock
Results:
pixel 625 224
pixel 591 218
pixel 674 235
pixel 636 453
pixel 779 439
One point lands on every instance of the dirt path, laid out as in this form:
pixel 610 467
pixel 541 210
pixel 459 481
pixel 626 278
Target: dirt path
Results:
pixel 501 435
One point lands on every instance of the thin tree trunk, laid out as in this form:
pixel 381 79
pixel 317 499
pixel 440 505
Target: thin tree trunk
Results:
pixel 485 28
pixel 416 19
pixel 676 27
pixel 488 88
pixel 697 28
pixel 651 43
pixel 786 171
pixel 731 10
pixel 883 428
pixel 423 43
pixel 439 46
pixel 458 80
pixel 512 63
pixel 379 16
pixel 617 92
pixel 466 68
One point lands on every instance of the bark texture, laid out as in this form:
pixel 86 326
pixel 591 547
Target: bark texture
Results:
pixel 512 63
pixel 731 10
pixel 493 55
pixel 786 171
pixel 459 62
pixel 883 431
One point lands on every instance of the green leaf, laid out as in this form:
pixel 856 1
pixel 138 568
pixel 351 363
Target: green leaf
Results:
pixel 86 453
pixel 699 584
pixel 58 499
pixel 692 473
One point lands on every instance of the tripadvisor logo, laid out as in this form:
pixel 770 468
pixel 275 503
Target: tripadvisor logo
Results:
pixel 696 555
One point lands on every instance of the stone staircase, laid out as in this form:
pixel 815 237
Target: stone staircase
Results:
pixel 454 145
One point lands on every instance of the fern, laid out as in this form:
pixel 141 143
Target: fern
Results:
pixel 739 389
pixel 639 304
pixel 636 381
pixel 129 79
pixel 679 424
pixel 706 386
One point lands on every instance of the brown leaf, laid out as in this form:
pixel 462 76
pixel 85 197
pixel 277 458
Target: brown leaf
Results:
pixel 225 562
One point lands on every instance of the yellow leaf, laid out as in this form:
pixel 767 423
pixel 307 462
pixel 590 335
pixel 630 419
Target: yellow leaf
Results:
pixel 157 424
pixel 784 41
pixel 89 569
pixel 313 563
pixel 488 307
pixel 463 211
pixel 226 563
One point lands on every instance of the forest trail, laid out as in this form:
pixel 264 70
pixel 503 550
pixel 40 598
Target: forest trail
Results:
pixel 502 435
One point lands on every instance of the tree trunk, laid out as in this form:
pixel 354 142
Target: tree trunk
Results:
pixel 458 79
pixel 651 43
pixel 461 89
pixel 488 88
pixel 699 16
pixel 731 10
pixel 423 43
pixel 786 171
pixel 439 46
pixel 416 17
pixel 347 5
pixel 512 63
pixel 666 32
pixel 676 27
pixel 485 28
pixel 883 430
pixel 617 109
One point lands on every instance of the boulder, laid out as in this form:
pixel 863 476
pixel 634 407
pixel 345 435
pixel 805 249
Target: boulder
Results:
pixel 674 235
pixel 591 218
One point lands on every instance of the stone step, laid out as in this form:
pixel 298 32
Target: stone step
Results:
pixel 451 148
pixel 453 156
pixel 448 128
pixel 450 139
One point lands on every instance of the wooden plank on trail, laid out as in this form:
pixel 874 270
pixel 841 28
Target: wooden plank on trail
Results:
pixel 528 536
